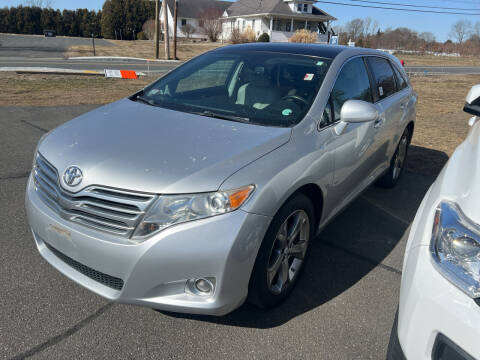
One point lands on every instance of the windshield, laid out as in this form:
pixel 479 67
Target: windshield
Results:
pixel 264 88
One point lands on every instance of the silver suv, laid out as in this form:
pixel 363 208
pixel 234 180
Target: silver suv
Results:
pixel 207 187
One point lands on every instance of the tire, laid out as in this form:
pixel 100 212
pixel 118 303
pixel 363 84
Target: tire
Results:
pixel 268 287
pixel 397 164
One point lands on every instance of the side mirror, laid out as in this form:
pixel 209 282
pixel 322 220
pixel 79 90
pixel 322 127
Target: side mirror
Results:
pixel 472 105
pixel 358 111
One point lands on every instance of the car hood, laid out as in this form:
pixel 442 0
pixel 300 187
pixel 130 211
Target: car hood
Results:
pixel 460 179
pixel 133 146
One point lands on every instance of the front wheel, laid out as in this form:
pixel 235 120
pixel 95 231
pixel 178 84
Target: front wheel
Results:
pixel 391 177
pixel 283 253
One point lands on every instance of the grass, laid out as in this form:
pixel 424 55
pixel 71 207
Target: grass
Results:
pixel 430 60
pixel 188 50
pixel 51 90
pixel 143 49
pixel 441 124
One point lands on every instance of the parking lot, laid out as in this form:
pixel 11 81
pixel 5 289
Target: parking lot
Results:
pixel 343 307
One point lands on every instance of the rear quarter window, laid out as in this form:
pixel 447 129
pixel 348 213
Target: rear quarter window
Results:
pixel 383 76
pixel 401 82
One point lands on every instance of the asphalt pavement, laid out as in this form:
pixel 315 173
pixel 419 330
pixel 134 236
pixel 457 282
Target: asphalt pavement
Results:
pixel 342 308
pixel 37 46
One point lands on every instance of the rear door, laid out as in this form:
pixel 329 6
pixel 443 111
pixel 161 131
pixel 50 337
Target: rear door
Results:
pixel 389 100
pixel 407 103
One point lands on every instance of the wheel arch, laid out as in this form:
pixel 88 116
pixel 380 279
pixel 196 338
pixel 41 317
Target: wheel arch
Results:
pixel 315 194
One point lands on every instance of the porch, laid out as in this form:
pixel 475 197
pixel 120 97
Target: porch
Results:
pixel 281 29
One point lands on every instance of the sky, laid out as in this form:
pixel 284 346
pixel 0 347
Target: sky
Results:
pixel 439 24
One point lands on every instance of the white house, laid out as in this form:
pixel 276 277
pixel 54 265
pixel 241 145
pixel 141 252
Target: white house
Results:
pixel 190 12
pixel 278 18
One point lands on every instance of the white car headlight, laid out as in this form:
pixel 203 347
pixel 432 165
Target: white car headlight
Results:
pixel 169 210
pixel 455 247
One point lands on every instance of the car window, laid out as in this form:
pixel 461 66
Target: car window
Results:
pixel 212 75
pixel 383 76
pixel 401 82
pixel 352 84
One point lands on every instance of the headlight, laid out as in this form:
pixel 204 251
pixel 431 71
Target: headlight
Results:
pixel 169 210
pixel 455 248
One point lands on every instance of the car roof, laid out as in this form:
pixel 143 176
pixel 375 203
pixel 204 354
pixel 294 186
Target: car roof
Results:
pixel 321 50
pixel 326 51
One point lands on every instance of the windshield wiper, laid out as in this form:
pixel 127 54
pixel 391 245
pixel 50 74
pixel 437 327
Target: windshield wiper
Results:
pixel 223 116
pixel 144 100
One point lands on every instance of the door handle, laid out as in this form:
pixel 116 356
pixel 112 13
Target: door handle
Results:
pixel 379 122
pixel 403 106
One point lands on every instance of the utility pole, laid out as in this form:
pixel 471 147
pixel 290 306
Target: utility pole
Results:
pixel 175 19
pixel 165 31
pixel 157 29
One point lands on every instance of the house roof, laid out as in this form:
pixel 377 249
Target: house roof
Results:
pixel 192 9
pixel 274 7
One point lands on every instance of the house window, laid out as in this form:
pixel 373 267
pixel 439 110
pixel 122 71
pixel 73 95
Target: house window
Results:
pixel 305 7
pixel 299 7
pixel 253 24
pixel 288 27
pixel 184 22
pixel 243 24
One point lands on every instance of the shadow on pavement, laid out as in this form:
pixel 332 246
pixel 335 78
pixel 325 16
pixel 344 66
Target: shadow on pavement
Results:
pixel 356 242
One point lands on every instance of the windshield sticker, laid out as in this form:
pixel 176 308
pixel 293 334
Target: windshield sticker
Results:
pixel 287 112
pixel 320 63
pixel 380 90
pixel 308 77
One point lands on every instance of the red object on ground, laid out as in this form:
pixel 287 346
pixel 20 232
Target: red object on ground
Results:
pixel 128 74
pixel 403 62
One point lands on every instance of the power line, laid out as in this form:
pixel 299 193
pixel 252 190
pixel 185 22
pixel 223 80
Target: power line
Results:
pixel 397 9
pixel 415 6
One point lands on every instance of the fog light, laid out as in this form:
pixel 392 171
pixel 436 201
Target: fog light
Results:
pixel 201 286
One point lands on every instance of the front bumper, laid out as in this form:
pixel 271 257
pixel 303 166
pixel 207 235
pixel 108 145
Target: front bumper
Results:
pixel 154 273
pixel 432 309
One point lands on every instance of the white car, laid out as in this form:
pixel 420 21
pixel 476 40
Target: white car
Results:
pixel 439 311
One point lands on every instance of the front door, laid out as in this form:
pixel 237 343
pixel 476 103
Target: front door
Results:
pixel 356 145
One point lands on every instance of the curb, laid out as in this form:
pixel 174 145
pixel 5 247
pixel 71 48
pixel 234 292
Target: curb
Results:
pixel 59 71
pixel 46 70
pixel 121 59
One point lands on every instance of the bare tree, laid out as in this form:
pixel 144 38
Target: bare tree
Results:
pixel 460 30
pixel 211 23
pixel 149 29
pixel 355 29
pixel 39 3
pixel 476 29
pixel 370 27
pixel 428 37
pixel 188 30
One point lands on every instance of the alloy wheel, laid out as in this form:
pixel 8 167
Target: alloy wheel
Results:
pixel 288 251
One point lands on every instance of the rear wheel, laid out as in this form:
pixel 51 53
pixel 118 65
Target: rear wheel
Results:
pixel 394 172
pixel 283 253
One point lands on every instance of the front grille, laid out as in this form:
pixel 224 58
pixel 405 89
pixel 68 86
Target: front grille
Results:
pixel 109 210
pixel 107 280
